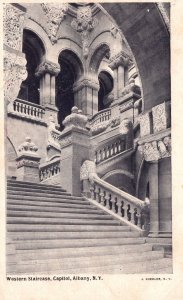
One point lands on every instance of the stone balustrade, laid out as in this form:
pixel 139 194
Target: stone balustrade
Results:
pixel 126 206
pixel 49 169
pixel 100 117
pixel 26 110
pixel 109 150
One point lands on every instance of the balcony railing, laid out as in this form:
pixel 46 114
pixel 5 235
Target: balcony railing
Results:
pixel 100 117
pixel 26 110
pixel 50 169
pixel 109 150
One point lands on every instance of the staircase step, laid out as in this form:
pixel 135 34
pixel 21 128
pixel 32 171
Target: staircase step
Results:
pixel 66 227
pixel 32 220
pixel 37 191
pixel 18 236
pixel 26 184
pixel 47 197
pixel 40 214
pixel 63 243
pixel 43 203
pixel 78 262
pixel 32 208
pixel 72 252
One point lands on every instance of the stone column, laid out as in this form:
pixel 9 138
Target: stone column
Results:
pixel 28 162
pixel 47 71
pixel 75 145
pixel 14 60
pixel 86 95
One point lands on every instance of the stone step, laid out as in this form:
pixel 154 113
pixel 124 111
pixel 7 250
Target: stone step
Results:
pixel 65 243
pixel 40 214
pixel 46 198
pixel 43 203
pixel 66 227
pixel 32 220
pixel 34 208
pixel 38 191
pixel 72 252
pixel 66 264
pixel 144 267
pixel 18 236
pixel 26 184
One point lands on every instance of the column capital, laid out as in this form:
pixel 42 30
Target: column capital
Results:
pixel 48 67
pixel 85 82
pixel 120 59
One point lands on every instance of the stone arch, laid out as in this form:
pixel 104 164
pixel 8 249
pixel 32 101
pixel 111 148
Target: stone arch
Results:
pixel 71 70
pixel 147 35
pixel 34 50
pixel 96 57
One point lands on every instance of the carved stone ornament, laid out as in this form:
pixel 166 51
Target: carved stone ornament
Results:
pixel 48 67
pixel 88 168
pixel 66 141
pixel 13 21
pixel 84 24
pixel 121 59
pixel 14 73
pixel 75 119
pixel 55 13
pixel 114 30
pixel 145 124
pixel 131 88
pixel 125 126
pixel 27 147
pixel 53 134
pixel 86 82
pixel 27 163
pixel 160 117
pixel 156 150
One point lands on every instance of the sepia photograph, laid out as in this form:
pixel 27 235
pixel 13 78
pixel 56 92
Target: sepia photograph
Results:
pixel 87 96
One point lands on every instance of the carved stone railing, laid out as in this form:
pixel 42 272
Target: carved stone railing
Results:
pixel 127 207
pixel 49 169
pixel 110 150
pixel 26 110
pixel 100 117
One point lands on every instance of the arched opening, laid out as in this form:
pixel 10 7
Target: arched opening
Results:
pixel 106 86
pixel 103 51
pixel 71 70
pixel 34 52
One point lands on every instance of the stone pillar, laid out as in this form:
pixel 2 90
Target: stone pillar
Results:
pixel 28 162
pixel 86 95
pixel 119 64
pixel 47 71
pixel 14 60
pixel 75 146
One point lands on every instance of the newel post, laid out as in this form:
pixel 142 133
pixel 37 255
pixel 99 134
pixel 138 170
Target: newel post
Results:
pixel 75 145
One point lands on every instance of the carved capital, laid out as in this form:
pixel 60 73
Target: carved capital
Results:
pixel 13 22
pixel 161 116
pixel 121 59
pixel 14 73
pixel 27 147
pixel 84 24
pixel 55 13
pixel 88 168
pixel 155 150
pixel 86 82
pixel 48 67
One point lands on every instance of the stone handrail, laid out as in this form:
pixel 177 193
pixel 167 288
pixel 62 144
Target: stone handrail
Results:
pixel 49 169
pixel 26 109
pixel 127 207
pixel 110 150
pixel 123 204
pixel 101 116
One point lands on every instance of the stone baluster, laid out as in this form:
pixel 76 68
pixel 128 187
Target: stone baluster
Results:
pixel 119 206
pixel 128 213
pixel 102 197
pixel 113 202
pixel 97 194
pixel 92 189
pixel 107 198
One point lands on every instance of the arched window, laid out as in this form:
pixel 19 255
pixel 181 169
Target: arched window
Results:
pixel 106 86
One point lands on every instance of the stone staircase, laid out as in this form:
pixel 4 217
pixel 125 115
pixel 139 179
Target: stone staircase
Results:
pixel 50 232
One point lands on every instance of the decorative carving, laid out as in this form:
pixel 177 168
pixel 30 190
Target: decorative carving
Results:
pixel 115 122
pixel 145 124
pixel 114 30
pixel 55 13
pixel 48 67
pixel 88 168
pixel 125 126
pixel 131 88
pixel 75 119
pixel 84 24
pixel 13 21
pixel 156 150
pixel 85 82
pixel 53 134
pixel 100 127
pixel 27 163
pixel 66 141
pixel 27 147
pixel 125 106
pixel 14 73
pixel 160 117
pixel 122 58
